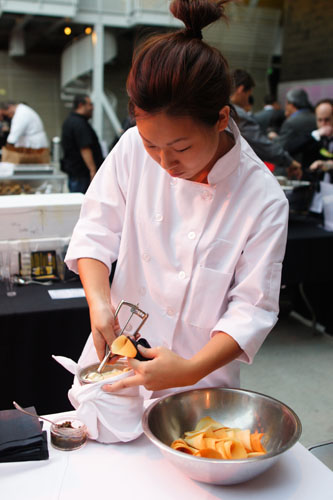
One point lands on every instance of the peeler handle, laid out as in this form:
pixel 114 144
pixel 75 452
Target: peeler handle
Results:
pixel 144 343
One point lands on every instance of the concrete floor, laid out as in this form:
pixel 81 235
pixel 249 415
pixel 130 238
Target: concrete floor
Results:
pixel 296 367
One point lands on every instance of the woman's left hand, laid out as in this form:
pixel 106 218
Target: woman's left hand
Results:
pixel 163 370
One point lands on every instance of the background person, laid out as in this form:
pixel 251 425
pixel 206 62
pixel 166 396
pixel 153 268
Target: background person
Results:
pixel 82 154
pixel 318 155
pixel 26 126
pixel 271 117
pixel 196 221
pixel 267 150
pixel 295 132
pixel 320 152
pixel 4 129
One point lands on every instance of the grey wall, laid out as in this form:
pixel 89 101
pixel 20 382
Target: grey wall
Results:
pixel 34 79
pixel 308 40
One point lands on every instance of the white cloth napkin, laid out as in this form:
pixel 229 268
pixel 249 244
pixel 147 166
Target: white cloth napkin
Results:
pixel 109 418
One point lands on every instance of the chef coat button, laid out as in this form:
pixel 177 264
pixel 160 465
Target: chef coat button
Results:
pixel 158 217
pixel 206 195
pixel 191 235
pixel 170 311
pixel 173 182
pixel 181 275
pixel 146 257
pixel 129 327
pixel 142 290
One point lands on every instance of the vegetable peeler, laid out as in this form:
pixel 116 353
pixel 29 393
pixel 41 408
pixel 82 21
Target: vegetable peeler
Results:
pixel 134 310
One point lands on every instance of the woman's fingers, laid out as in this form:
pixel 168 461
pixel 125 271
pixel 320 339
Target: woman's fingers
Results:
pixel 147 352
pixel 123 384
pixel 99 343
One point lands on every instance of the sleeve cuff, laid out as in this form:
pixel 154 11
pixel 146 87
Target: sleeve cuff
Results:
pixel 249 330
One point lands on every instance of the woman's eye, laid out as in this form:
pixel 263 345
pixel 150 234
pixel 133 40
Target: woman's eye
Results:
pixel 182 150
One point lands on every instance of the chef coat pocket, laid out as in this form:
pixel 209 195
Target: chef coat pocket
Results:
pixel 208 298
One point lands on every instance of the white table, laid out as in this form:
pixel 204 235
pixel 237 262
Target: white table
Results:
pixel 138 470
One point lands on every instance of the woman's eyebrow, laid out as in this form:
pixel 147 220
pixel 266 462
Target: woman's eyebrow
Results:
pixel 168 143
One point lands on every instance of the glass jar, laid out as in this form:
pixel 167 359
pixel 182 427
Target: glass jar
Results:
pixel 70 434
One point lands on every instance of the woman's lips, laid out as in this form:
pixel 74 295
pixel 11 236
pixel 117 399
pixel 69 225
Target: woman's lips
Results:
pixel 174 172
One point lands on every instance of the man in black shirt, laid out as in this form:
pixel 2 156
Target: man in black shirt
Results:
pixel 82 154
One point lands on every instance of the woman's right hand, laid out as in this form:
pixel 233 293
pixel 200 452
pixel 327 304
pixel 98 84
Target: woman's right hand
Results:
pixel 103 326
pixel 94 276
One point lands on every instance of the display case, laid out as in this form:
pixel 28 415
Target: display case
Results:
pixel 31 179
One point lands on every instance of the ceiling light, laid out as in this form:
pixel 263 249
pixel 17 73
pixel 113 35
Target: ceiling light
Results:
pixel 67 30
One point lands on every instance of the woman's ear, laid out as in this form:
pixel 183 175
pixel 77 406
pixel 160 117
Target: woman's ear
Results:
pixel 223 118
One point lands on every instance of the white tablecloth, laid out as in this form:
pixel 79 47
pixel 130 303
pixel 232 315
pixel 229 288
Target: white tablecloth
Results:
pixel 138 470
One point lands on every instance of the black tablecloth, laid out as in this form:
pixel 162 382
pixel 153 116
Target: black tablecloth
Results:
pixel 33 327
pixel 309 251
pixel 308 261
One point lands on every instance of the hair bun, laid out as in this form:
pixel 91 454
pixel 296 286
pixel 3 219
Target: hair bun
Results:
pixel 196 14
pixel 193 34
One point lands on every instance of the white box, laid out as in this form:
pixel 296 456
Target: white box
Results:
pixel 39 215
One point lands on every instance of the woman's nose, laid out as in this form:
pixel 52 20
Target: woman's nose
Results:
pixel 167 160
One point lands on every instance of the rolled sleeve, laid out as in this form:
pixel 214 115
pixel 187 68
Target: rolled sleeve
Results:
pixel 97 234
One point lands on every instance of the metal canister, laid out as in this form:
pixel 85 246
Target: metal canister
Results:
pixel 56 150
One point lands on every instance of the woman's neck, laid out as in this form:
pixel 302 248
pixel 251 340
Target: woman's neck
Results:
pixel 226 143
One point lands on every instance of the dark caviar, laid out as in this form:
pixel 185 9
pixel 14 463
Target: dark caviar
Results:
pixel 66 437
pixel 67 424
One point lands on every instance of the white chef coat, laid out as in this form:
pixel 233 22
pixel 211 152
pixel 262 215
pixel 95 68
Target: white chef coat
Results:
pixel 199 258
pixel 26 129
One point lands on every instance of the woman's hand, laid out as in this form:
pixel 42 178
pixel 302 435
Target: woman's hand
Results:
pixel 104 326
pixel 164 370
pixel 95 280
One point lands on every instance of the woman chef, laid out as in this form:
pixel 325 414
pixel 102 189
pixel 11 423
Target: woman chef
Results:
pixel 195 220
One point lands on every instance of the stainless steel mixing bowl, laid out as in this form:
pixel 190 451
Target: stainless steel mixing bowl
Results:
pixel 169 417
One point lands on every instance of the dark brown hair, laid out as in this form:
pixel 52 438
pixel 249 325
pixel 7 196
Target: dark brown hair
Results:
pixel 242 77
pixel 177 72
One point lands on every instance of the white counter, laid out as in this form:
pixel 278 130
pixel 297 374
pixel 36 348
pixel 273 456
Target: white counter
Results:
pixel 138 470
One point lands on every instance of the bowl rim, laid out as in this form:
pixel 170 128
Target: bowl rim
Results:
pixel 267 456
pixel 93 366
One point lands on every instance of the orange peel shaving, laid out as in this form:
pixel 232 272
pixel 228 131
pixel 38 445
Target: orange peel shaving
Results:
pixel 122 346
pixel 211 439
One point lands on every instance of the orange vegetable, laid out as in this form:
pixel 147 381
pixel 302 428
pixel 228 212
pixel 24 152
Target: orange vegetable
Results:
pixel 123 347
pixel 211 439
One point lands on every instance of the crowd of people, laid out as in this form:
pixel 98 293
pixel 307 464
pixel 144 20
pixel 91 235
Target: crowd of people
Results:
pixel 296 141
pixel 300 137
